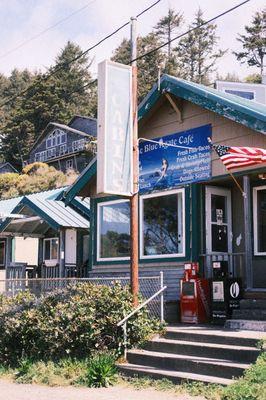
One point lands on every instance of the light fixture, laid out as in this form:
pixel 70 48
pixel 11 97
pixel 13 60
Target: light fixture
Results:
pixel 262 176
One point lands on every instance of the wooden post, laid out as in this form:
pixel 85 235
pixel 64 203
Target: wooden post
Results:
pixel 134 251
pixel 247 228
pixel 62 246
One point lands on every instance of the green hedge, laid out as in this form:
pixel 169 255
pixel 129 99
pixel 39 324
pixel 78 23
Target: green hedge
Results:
pixel 73 322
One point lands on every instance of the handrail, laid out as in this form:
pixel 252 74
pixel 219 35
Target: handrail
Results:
pixel 141 306
pixel 123 322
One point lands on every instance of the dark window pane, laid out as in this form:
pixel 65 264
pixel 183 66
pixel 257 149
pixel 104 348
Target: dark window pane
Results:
pixel 261 204
pixel 115 230
pixel 47 249
pixel 2 253
pixel 219 208
pixel 245 95
pixel 188 289
pixel 219 238
pixel 163 225
pixel 54 250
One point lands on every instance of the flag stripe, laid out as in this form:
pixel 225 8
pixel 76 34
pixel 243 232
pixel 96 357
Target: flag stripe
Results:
pixel 238 157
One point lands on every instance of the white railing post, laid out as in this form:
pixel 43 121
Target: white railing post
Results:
pixel 125 339
pixel 162 297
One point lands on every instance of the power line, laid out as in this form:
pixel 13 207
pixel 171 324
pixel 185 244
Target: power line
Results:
pixel 191 30
pixel 47 29
pixel 62 66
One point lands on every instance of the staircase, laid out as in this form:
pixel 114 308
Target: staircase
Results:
pixel 251 315
pixel 194 353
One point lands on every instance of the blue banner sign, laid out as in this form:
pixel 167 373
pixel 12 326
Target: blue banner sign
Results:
pixel 163 166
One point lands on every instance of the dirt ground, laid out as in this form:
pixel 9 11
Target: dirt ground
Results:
pixel 15 391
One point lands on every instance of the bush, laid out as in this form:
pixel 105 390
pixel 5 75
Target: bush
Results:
pixel 73 322
pixel 252 385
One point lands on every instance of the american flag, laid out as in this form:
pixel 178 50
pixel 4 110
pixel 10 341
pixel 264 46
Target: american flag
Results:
pixel 238 157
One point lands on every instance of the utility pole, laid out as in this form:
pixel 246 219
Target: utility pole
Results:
pixel 134 231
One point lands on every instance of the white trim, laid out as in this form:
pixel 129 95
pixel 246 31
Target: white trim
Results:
pixel 220 192
pixel 160 194
pixel 255 219
pixel 46 240
pixel 98 242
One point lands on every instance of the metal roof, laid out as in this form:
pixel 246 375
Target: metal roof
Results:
pixel 245 112
pixel 84 179
pixel 46 206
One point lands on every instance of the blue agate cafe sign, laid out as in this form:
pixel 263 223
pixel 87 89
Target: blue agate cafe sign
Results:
pixel 163 167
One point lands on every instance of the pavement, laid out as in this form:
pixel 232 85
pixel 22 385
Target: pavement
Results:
pixel 15 391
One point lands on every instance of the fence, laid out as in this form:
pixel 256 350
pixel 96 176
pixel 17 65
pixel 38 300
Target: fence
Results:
pixel 147 286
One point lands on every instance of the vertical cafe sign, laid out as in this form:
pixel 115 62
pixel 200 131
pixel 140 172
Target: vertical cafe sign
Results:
pixel 115 129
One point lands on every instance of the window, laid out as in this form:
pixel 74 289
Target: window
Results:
pixel 63 149
pixel 259 220
pixel 50 249
pixel 78 144
pixel 240 93
pixel 2 253
pixel 69 164
pixel 37 157
pixel 63 137
pixel 162 225
pixel 51 153
pixel 113 230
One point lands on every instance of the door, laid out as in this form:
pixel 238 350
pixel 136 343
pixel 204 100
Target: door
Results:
pixel 218 221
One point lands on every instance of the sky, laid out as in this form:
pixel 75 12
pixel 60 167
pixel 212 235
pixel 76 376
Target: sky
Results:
pixel 21 20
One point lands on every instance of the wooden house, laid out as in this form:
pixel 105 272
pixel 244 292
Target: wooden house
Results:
pixel 64 146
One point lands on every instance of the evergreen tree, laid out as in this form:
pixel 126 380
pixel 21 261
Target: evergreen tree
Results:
pixel 254 42
pixel 196 52
pixel 165 29
pixel 148 66
pixel 56 96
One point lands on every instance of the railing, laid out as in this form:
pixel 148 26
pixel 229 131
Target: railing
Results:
pixel 235 263
pixel 123 322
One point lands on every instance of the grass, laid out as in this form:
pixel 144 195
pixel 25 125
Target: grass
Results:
pixel 100 371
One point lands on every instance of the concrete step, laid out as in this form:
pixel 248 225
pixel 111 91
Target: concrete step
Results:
pixel 211 335
pixel 258 314
pixel 253 304
pixel 174 376
pixel 200 349
pixel 185 363
pixel 244 324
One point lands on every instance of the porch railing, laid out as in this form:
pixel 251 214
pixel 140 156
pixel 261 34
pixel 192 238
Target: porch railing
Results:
pixel 236 263
pixel 70 271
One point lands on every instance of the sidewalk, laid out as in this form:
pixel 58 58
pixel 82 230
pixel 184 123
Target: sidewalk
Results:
pixel 14 391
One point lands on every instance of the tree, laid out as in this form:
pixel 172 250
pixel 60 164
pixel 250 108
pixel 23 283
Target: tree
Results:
pixel 253 78
pixel 147 66
pixel 229 77
pixel 196 52
pixel 254 42
pixel 165 29
pixel 64 91
pixel 35 177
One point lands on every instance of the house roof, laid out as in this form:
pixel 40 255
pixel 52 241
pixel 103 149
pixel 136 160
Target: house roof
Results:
pixel 46 206
pixel 84 124
pixel 71 127
pixel 5 164
pixel 81 183
pixel 245 112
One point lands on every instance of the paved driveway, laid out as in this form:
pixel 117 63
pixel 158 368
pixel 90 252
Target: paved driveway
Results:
pixel 15 391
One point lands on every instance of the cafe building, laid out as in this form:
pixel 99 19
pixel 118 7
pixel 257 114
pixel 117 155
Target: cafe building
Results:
pixel 190 208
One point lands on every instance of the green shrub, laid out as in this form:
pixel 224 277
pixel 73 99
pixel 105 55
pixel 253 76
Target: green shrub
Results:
pixel 73 322
pixel 101 371
pixel 252 386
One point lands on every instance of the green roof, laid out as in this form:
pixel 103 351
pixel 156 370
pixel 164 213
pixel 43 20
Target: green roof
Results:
pixel 245 112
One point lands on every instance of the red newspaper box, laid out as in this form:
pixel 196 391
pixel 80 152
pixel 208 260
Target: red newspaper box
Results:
pixel 194 296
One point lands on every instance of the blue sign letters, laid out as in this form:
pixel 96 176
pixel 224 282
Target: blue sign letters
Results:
pixel 162 166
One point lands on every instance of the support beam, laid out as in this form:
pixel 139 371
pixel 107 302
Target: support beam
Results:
pixel 174 106
pixel 248 230
pixel 62 252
